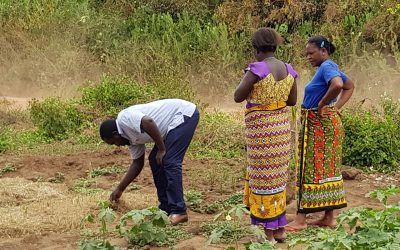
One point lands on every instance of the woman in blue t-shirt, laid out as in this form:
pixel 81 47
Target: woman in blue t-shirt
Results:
pixel 319 179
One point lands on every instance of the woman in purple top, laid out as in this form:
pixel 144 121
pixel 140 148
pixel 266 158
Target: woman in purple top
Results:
pixel 268 86
pixel 319 180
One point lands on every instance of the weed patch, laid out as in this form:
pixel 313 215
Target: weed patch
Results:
pixel 369 228
pixel 83 185
pixel 99 171
pixel 9 167
pixel 219 135
pixel 372 137
pixel 57 178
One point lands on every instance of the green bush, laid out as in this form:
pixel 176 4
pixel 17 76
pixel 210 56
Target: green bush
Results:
pixel 5 141
pixel 115 93
pixel 56 118
pixel 372 138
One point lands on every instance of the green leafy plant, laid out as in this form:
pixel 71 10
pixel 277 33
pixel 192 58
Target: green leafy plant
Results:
pixel 105 216
pixel 173 235
pixel 227 226
pixel 372 138
pixel 193 200
pixel 114 94
pixel 5 141
pixel 235 199
pixel 148 225
pixel 266 245
pixel 382 194
pixel 223 231
pixel 369 228
pixel 96 245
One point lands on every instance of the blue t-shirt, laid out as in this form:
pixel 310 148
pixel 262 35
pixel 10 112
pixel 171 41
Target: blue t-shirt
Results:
pixel 316 89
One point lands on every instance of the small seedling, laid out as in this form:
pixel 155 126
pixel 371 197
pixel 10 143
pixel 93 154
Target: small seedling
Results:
pixel 106 215
pixel 96 245
pixel 82 185
pixel 58 178
pixel 9 167
pixel 99 171
pixel 148 226
pixel 193 200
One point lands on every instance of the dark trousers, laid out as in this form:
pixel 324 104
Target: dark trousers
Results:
pixel 168 177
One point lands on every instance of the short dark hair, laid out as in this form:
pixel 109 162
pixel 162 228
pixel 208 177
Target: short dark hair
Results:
pixel 108 129
pixel 266 40
pixel 323 42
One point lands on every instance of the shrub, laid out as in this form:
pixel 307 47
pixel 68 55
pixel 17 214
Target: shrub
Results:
pixel 56 118
pixel 384 28
pixel 115 93
pixel 372 138
pixel 5 141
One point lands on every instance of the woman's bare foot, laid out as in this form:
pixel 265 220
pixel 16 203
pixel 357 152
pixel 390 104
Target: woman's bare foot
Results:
pixel 327 221
pixel 324 222
pixel 269 233
pixel 280 235
pixel 295 226
pixel 298 224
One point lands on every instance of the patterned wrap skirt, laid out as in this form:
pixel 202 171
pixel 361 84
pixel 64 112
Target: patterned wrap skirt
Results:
pixel 319 179
pixel 268 152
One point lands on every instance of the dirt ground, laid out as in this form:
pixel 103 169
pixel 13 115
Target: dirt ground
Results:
pixel 37 214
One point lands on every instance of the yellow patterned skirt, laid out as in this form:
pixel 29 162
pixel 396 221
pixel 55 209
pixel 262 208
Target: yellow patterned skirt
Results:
pixel 268 152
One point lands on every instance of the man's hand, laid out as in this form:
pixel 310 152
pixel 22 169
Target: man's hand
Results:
pixel 160 156
pixel 133 171
pixel 115 195
pixel 150 127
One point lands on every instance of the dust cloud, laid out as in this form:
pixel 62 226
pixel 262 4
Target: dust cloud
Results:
pixel 36 67
pixel 372 75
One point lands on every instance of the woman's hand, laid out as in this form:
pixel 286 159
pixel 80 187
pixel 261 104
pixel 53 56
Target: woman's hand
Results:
pixel 338 111
pixel 323 109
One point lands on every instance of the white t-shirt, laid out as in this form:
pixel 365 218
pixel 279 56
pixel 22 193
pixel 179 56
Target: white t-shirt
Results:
pixel 167 114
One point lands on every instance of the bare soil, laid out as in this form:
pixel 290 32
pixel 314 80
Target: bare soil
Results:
pixel 42 215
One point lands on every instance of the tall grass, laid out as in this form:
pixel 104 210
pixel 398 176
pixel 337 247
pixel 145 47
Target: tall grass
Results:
pixel 149 43
pixel 38 15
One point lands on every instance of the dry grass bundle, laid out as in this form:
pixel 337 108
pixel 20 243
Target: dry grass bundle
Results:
pixel 37 207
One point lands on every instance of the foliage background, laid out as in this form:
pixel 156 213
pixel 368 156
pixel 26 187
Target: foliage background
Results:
pixel 100 56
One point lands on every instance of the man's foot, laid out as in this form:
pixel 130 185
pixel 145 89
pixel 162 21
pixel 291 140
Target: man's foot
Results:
pixel 324 222
pixel 294 226
pixel 178 218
